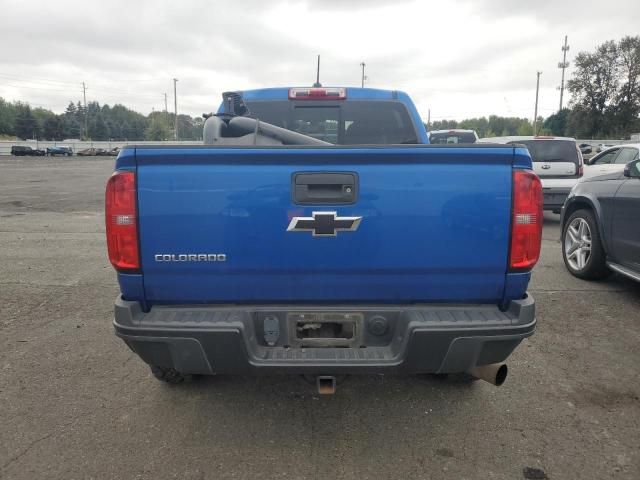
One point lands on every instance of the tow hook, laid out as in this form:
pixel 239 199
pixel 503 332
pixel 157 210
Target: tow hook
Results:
pixel 494 373
pixel 326 384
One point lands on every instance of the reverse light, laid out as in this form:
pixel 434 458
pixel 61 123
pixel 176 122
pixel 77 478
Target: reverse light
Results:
pixel 526 224
pixel 317 93
pixel 121 222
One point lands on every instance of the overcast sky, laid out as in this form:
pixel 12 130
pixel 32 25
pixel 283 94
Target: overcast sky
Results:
pixel 461 58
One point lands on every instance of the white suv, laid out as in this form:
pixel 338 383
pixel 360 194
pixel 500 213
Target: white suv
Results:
pixel 557 161
pixel 611 160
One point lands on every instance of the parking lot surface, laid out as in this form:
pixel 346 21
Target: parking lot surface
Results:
pixel 75 403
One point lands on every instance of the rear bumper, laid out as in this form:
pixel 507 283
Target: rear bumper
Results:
pixel 231 339
pixel 554 197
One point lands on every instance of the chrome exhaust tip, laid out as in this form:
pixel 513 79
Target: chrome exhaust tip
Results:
pixel 494 373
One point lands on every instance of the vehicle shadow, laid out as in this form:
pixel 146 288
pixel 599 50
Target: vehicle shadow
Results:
pixel 379 426
pixel 551 219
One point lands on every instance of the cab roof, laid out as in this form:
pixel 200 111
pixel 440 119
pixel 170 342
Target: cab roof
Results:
pixel 352 93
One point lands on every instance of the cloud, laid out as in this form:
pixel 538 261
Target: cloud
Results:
pixel 458 58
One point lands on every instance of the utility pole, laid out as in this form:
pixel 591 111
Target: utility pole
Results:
pixel 166 110
pixel 317 84
pixel 535 115
pixel 86 113
pixel 362 64
pixel 563 65
pixel 428 118
pixel 175 108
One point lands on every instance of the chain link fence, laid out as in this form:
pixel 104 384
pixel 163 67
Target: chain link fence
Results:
pixel 77 145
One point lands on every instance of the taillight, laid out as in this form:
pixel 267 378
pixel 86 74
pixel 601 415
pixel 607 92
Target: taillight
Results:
pixel 121 222
pixel 526 224
pixel 580 162
pixel 317 93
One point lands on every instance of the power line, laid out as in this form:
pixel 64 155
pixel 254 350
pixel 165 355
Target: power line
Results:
pixel 33 88
pixel 32 79
pixel 57 83
pixel 109 93
pixel 56 86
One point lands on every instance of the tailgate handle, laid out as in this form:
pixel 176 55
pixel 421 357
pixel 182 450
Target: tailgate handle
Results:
pixel 325 188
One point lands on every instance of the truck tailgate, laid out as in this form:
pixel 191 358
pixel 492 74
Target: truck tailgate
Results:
pixel 214 225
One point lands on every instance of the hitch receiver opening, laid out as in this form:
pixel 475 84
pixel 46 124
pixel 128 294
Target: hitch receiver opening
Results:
pixel 326 384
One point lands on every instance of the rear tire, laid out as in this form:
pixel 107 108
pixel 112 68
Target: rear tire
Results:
pixel 582 249
pixel 169 375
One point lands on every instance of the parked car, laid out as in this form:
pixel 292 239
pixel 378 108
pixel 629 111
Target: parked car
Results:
pixel 603 146
pixel 585 148
pixel 113 152
pixel 611 160
pixel 557 161
pixel 59 150
pixel 452 136
pixel 20 151
pixel 601 225
pixel 89 152
pixel 287 253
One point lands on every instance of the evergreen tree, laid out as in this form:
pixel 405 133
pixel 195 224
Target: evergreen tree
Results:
pixel 7 117
pixel 53 128
pixel 557 123
pixel 157 130
pixel 71 110
pixel 25 123
pixel 98 129
pixel 71 127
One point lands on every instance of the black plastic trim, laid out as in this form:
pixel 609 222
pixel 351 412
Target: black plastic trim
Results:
pixel 422 338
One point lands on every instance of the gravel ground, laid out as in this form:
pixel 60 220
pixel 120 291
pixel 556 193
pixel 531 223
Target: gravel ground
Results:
pixel 75 403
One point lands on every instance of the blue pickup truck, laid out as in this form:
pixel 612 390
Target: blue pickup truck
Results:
pixel 315 231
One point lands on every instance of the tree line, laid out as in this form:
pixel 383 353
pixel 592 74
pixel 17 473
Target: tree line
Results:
pixel 605 99
pixel 605 93
pixel 494 126
pixel 96 122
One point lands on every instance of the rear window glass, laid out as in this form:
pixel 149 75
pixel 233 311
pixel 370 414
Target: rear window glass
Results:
pixel 344 123
pixel 551 150
pixel 627 155
pixel 455 137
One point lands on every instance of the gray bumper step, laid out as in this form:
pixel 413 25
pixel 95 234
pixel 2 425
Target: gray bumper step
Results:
pixel 233 339
pixel 369 354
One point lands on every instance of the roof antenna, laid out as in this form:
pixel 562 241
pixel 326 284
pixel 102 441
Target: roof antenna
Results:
pixel 317 84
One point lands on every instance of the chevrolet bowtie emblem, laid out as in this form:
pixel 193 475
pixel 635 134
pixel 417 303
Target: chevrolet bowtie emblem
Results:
pixel 324 224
